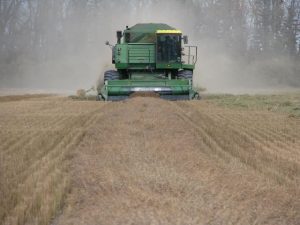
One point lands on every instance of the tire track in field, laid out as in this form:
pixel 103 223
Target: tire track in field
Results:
pixel 259 139
pixel 149 161
pixel 10 139
pixel 241 145
pixel 272 123
pixel 137 156
pixel 271 141
pixel 22 142
pixel 48 164
pixel 208 140
pixel 278 152
pixel 270 134
pixel 30 134
pixel 221 146
pixel 72 133
pixel 244 152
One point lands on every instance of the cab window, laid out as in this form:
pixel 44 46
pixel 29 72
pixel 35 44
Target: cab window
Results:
pixel 168 48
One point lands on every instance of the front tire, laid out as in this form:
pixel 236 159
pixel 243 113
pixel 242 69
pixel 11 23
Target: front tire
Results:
pixel 185 74
pixel 111 75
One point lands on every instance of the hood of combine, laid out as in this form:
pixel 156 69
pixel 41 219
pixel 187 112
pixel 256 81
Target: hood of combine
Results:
pixel 115 90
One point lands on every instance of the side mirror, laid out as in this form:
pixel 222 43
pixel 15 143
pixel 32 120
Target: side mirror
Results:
pixel 108 44
pixel 119 36
pixel 185 39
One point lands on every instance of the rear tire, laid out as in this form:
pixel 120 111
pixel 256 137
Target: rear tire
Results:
pixel 111 75
pixel 185 74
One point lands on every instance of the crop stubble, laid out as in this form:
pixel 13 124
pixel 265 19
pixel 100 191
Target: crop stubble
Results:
pixel 147 161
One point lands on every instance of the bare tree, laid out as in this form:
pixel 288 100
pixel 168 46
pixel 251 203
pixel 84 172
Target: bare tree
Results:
pixel 41 29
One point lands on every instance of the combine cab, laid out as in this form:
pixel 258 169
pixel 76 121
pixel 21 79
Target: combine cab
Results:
pixel 150 58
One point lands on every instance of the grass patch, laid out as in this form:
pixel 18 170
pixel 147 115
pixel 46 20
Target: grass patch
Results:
pixel 282 103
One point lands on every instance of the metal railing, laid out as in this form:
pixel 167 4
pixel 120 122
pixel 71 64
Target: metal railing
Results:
pixel 191 54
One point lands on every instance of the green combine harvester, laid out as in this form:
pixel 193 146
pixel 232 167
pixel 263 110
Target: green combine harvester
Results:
pixel 150 58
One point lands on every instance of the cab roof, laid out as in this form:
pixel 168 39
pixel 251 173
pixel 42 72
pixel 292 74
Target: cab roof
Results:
pixel 149 27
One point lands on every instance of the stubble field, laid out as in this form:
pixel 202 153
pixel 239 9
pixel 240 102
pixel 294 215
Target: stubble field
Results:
pixel 222 160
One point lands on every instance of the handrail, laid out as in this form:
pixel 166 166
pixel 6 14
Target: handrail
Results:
pixel 191 57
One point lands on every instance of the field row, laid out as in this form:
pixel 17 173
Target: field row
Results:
pixel 146 161
pixel 36 139
pixel 157 162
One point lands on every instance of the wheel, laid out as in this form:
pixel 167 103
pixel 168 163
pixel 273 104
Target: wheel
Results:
pixel 197 97
pixel 185 74
pixel 111 75
pixel 98 98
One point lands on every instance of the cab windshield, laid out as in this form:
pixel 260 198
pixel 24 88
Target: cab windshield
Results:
pixel 168 48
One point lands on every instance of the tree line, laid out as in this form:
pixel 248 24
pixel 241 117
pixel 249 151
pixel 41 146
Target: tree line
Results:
pixel 39 29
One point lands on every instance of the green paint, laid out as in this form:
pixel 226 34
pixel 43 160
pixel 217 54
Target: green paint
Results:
pixel 136 60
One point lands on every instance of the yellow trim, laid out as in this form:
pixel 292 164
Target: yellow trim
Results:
pixel 168 32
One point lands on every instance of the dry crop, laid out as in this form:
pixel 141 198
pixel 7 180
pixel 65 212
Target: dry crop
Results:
pixel 147 161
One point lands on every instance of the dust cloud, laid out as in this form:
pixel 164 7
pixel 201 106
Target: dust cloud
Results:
pixel 81 58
